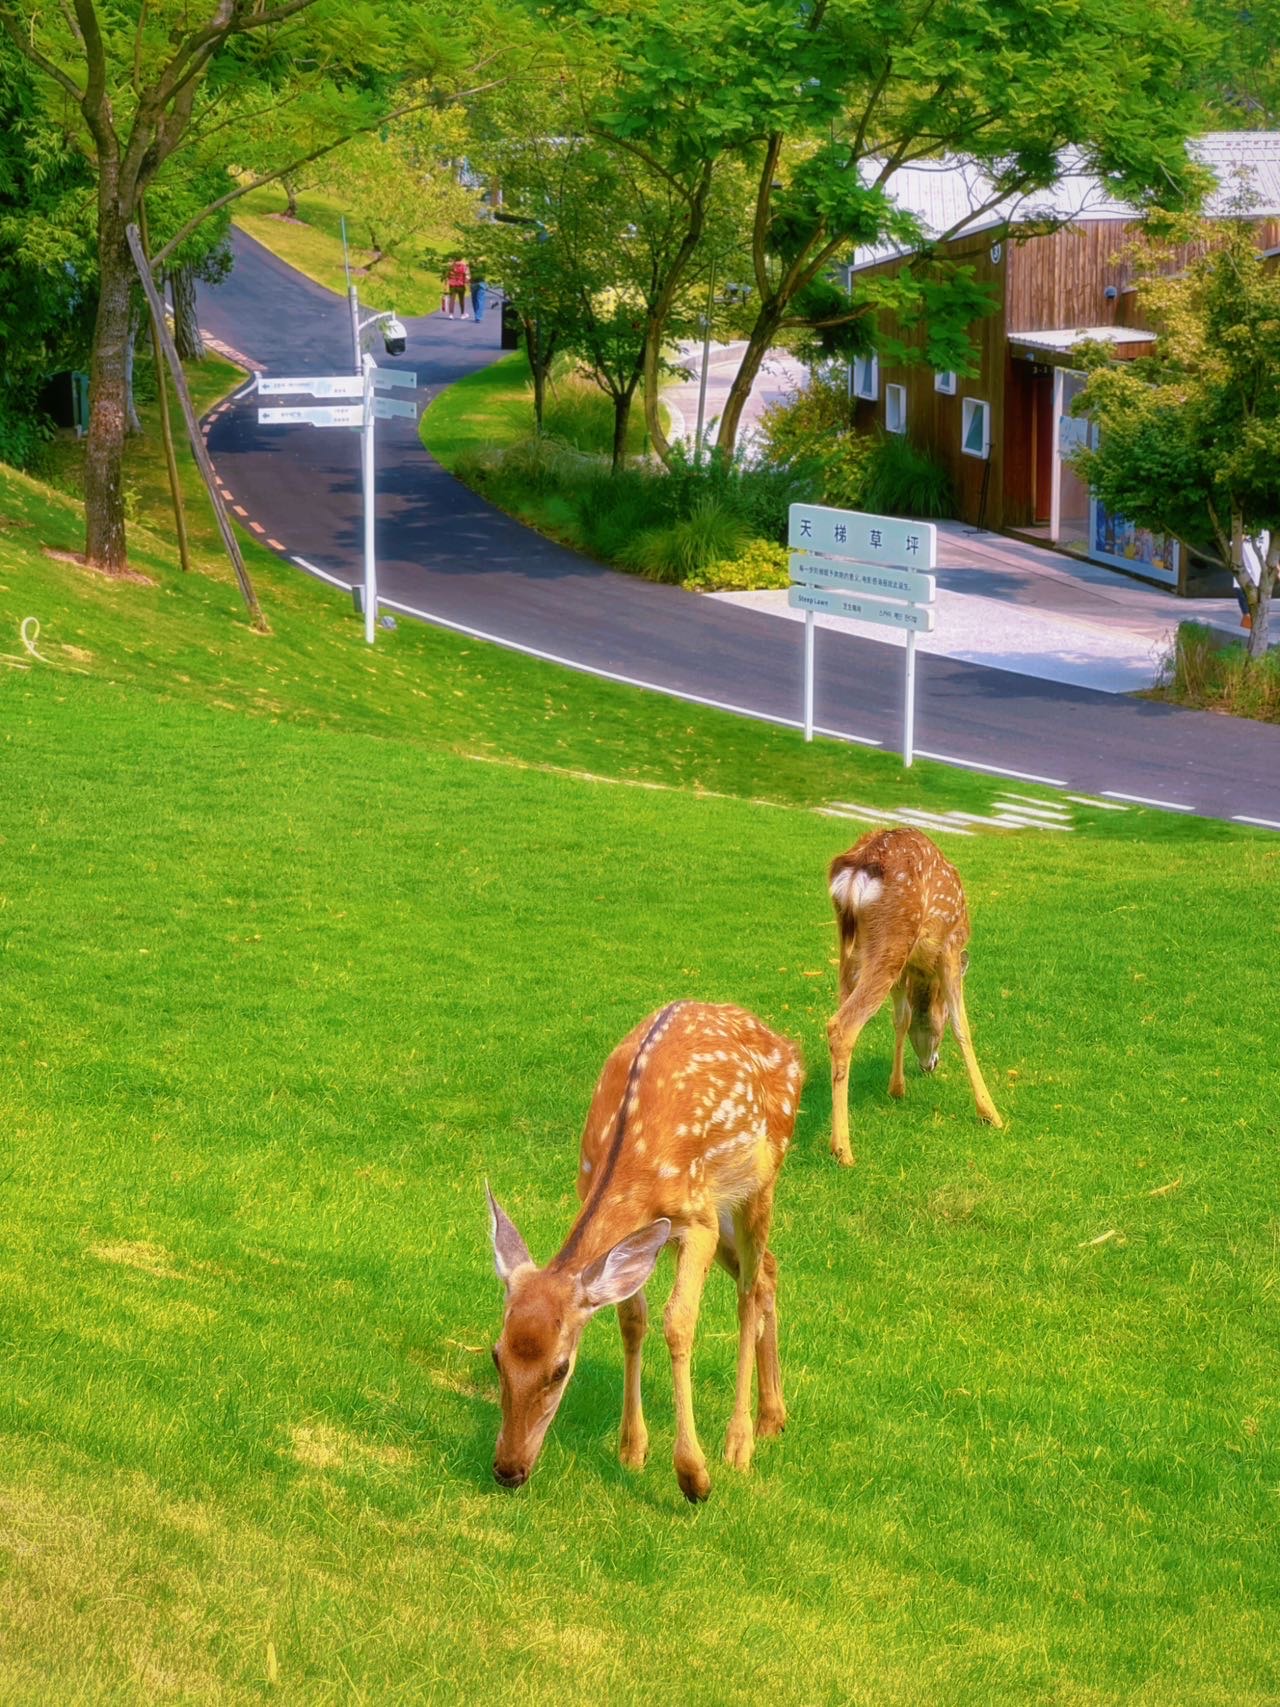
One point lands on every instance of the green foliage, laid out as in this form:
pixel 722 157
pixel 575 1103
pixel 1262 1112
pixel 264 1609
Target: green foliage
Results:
pixel 811 433
pixel 708 533
pixel 1189 439
pixel 761 564
pixel 904 480
pixel 1201 671
pixel 579 414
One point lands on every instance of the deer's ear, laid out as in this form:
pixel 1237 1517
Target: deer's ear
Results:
pixel 509 1250
pixel 621 1272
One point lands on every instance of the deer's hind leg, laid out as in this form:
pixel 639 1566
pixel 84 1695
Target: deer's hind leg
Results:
pixel 751 1236
pixel 960 1026
pixel 771 1412
pixel 875 979
pixel 901 1022
pixel 633 1441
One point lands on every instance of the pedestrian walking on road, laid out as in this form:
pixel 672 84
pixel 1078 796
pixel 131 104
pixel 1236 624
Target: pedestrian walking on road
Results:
pixel 459 277
pixel 479 288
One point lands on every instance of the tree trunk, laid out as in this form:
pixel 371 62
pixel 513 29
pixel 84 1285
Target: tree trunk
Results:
pixel 758 344
pixel 291 192
pixel 186 315
pixel 1260 611
pixel 621 420
pixel 136 314
pixel 108 410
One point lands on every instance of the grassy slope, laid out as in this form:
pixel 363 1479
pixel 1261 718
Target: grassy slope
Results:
pixel 286 975
pixel 313 245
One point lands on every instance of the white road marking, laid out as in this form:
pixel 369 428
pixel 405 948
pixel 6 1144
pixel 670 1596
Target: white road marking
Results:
pixel 1030 801
pixel 1101 805
pixel 1265 823
pixel 1143 800
pixel 612 675
pixel 996 770
pixel 323 574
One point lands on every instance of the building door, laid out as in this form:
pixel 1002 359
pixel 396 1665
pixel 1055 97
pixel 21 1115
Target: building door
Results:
pixel 1043 435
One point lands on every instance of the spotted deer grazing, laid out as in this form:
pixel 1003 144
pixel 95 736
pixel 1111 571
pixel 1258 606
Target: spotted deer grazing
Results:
pixel 687 1129
pixel 903 926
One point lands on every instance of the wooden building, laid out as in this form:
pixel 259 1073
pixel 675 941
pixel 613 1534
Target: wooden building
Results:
pixel 1005 433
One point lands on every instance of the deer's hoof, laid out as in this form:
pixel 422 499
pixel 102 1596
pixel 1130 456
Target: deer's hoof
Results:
pixel 634 1452
pixel 843 1156
pixel 695 1484
pixel 989 1117
pixel 770 1423
pixel 738 1445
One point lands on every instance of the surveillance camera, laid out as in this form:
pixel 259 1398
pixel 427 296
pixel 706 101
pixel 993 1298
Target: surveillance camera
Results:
pixel 394 336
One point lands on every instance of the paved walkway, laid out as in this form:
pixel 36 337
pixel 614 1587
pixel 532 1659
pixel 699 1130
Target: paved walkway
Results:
pixel 1015 606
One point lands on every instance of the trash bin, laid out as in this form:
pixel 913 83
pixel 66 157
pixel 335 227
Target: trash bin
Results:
pixel 510 326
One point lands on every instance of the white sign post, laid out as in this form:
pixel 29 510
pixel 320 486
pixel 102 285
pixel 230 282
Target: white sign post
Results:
pixel 868 568
pixel 363 413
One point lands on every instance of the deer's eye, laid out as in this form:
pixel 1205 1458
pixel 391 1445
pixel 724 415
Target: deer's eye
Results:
pixel 559 1372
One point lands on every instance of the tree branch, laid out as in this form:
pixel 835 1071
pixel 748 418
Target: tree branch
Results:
pixel 27 48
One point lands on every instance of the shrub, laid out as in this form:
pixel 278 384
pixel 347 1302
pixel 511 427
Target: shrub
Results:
pixel 1201 670
pixel 708 534
pixel 761 564
pixel 25 433
pixel 578 413
pixel 759 493
pixel 903 480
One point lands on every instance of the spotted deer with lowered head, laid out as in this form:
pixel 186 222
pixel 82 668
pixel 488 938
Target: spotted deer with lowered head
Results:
pixel 903 927
pixel 687 1129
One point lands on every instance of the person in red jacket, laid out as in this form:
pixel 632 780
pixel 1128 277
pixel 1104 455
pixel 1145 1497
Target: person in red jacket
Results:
pixel 457 280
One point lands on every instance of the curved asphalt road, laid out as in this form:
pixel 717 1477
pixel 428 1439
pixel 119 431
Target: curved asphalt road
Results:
pixel 447 556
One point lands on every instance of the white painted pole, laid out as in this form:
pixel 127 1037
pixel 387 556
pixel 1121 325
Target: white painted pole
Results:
pixel 366 449
pixel 808 675
pixel 354 302
pixel 909 715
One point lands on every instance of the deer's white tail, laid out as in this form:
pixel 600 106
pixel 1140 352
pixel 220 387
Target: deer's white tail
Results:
pixel 854 888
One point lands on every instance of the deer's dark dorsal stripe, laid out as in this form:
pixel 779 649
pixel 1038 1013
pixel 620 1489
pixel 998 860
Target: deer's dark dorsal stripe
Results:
pixel 605 1171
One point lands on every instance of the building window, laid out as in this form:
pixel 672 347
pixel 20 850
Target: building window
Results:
pixel 866 377
pixel 895 408
pixel 975 434
pixel 945 383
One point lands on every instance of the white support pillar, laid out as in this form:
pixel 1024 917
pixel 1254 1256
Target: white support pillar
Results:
pixel 909 711
pixel 367 466
pixel 808 675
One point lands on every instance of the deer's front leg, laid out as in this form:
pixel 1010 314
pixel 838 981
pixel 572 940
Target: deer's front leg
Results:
pixel 633 1320
pixel 960 1025
pixel 697 1253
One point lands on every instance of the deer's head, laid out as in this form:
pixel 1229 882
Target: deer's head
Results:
pixel 543 1317
pixel 930 1011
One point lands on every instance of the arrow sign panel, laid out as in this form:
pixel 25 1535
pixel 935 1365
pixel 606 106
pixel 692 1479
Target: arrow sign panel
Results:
pixel 906 617
pixel 316 385
pixel 340 415
pixel 383 406
pixel 385 377
pixel 862 578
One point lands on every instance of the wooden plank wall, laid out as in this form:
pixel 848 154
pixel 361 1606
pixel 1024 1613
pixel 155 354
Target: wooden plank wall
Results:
pixel 1044 283
pixel 933 419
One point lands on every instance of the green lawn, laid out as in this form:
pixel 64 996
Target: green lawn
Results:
pixel 313 244
pixel 298 943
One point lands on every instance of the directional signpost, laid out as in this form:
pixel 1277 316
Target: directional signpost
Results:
pixel 365 387
pixel 868 568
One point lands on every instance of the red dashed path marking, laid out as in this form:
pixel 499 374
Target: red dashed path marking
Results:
pixel 257 527
pixel 274 544
pixel 240 509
